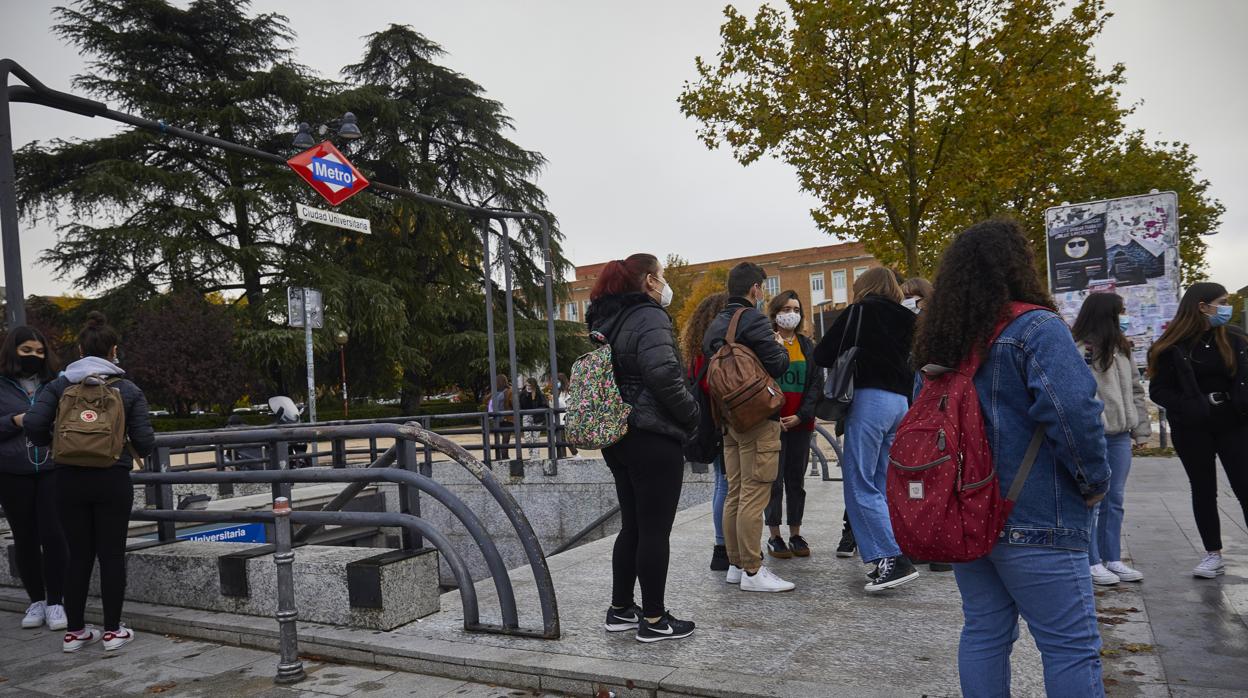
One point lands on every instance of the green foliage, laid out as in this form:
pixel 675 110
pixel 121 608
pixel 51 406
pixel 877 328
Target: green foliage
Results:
pixel 677 273
pixel 911 119
pixel 143 213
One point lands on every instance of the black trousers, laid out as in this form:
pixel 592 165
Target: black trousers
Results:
pixel 791 483
pixel 29 503
pixel 649 472
pixel 1199 449
pixel 95 508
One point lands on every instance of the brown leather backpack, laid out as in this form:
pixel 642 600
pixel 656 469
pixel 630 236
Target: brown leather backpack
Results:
pixel 742 391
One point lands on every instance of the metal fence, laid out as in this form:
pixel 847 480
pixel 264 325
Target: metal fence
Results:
pixel 398 464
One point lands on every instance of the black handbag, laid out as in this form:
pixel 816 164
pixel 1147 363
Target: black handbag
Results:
pixel 838 388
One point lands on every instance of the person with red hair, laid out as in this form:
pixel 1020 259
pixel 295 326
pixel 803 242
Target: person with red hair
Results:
pixel 627 310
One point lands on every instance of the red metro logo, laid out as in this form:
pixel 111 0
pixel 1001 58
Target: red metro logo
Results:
pixel 328 172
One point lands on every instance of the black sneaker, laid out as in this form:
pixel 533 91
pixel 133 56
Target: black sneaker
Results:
pixel 799 546
pixel 619 620
pixel 668 628
pixel 719 559
pixel 892 572
pixel 847 545
pixel 777 548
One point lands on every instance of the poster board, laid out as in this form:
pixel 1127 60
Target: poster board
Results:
pixel 1128 246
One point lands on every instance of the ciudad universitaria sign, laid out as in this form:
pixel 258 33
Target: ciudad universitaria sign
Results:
pixel 328 172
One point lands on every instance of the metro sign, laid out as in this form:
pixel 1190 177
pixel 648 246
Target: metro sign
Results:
pixel 329 172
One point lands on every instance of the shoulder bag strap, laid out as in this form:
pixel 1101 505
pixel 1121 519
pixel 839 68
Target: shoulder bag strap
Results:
pixel 1029 459
pixel 731 336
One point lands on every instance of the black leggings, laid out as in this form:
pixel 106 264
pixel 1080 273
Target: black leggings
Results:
pixel 29 503
pixel 95 508
pixel 1227 440
pixel 791 484
pixel 649 472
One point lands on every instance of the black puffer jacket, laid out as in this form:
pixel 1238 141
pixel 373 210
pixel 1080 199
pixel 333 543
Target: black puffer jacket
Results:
pixel 648 369
pixel 883 345
pixel 16 457
pixel 39 421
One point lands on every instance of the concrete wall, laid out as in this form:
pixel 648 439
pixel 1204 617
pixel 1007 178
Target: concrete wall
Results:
pixel 557 506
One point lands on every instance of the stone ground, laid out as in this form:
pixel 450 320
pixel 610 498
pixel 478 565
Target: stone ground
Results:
pixel 1171 635
pixel 32 664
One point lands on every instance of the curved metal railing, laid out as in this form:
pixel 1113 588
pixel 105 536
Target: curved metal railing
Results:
pixel 817 452
pixel 397 465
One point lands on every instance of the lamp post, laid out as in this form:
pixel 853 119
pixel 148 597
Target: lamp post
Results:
pixel 345 127
pixel 340 338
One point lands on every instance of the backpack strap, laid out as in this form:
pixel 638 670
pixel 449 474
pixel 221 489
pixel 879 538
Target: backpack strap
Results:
pixel 1029 459
pixel 731 335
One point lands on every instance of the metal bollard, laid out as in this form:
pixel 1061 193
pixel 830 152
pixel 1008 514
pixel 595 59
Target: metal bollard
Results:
pixel 289 667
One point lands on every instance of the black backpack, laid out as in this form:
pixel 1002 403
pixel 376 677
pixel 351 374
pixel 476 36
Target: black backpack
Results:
pixel 708 442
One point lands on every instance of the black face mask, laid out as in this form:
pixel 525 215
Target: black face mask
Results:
pixel 30 364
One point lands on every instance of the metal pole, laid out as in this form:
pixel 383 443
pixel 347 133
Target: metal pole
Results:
pixel 342 366
pixel 489 321
pixel 517 422
pixel 307 341
pixel 289 668
pixel 552 417
pixel 10 242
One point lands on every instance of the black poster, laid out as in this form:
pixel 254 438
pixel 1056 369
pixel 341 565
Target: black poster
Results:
pixel 1077 254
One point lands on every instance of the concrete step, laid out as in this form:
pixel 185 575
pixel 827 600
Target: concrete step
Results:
pixel 373 588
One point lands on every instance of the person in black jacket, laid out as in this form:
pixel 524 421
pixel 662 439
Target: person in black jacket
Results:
pixel 627 309
pixel 532 398
pixel 752 458
pixel 1199 372
pixel 95 503
pixel 883 330
pixel 801 386
pixel 27 486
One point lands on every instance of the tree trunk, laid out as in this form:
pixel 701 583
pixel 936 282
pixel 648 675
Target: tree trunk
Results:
pixel 413 392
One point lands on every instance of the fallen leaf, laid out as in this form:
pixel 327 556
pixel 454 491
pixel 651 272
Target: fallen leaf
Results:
pixel 1137 647
pixel 160 687
pixel 1112 620
pixel 1132 672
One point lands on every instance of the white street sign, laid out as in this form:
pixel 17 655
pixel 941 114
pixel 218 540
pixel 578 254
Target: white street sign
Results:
pixel 338 220
pixel 294 307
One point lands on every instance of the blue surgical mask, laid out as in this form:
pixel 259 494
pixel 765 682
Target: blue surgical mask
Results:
pixel 1124 322
pixel 1222 317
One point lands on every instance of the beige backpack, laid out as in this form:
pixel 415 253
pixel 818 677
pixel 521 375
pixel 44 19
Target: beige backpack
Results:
pixel 743 393
pixel 90 427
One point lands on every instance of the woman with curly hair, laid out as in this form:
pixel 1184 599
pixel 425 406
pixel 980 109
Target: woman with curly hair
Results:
pixel 691 347
pixel 1032 377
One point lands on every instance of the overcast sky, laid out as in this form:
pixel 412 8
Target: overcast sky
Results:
pixel 593 86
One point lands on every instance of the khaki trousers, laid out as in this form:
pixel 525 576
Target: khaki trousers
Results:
pixel 751 461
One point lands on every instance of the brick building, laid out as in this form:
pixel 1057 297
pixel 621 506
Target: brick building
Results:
pixel 822 276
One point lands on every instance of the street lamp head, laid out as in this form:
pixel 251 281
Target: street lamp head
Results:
pixel 303 136
pixel 340 338
pixel 349 130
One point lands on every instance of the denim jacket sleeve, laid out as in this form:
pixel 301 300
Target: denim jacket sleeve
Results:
pixel 1064 400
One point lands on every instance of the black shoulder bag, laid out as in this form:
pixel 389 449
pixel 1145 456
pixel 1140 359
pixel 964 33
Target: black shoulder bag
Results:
pixel 838 389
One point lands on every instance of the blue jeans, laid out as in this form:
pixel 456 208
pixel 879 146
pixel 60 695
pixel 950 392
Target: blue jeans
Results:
pixel 1052 589
pixel 869 431
pixel 1105 533
pixel 717 499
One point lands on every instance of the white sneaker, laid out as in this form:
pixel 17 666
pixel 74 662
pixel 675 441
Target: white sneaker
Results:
pixel 56 617
pixel 76 641
pixel 765 580
pixel 35 615
pixel 114 639
pixel 1124 573
pixel 1210 567
pixel 1103 577
pixel 734 575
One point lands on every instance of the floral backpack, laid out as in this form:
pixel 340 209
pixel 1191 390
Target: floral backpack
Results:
pixel 597 416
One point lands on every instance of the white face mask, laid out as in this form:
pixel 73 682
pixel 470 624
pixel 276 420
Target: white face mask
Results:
pixel 911 304
pixel 665 298
pixel 788 320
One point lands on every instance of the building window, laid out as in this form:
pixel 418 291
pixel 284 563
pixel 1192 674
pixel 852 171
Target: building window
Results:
pixel 859 271
pixel 839 294
pixel 584 308
pixel 570 312
pixel 772 287
pixel 816 289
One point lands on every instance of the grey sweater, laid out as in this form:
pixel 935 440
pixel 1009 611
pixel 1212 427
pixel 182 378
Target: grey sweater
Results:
pixel 1126 406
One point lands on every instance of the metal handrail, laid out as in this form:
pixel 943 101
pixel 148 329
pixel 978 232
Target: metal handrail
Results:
pixel 835 443
pixel 280 476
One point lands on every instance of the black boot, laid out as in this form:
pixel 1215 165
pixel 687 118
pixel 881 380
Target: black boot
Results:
pixel 719 559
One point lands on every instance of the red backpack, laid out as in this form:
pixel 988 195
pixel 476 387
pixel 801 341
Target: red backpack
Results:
pixel 943 497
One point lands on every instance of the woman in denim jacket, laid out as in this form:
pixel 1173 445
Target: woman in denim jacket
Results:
pixel 1033 376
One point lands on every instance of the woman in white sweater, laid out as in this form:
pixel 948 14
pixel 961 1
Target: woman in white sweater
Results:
pixel 1099 330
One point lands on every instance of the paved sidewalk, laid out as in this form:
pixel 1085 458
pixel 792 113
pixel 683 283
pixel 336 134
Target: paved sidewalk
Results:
pixel 32 664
